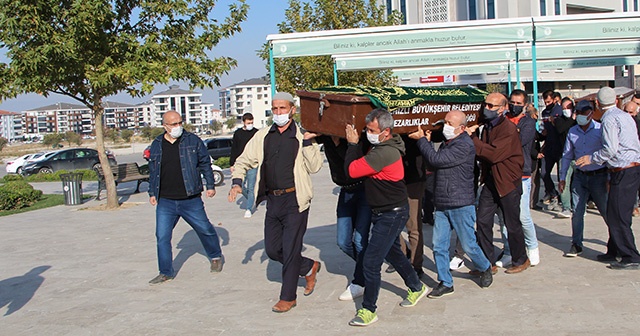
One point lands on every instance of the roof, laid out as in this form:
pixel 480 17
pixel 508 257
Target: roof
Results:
pixel 60 106
pixel 254 81
pixel 175 90
pixel 7 113
pixel 111 104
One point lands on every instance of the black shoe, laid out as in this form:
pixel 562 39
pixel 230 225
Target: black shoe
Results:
pixel 574 251
pixel 606 258
pixel 390 269
pixel 486 278
pixel 419 272
pixel 160 279
pixel 440 291
pixel 619 265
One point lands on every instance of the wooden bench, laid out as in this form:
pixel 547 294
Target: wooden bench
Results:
pixel 124 172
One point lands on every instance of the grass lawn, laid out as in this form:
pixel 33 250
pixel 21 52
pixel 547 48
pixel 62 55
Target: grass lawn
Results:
pixel 47 200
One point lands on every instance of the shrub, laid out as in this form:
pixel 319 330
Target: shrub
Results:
pixel 12 177
pixel 17 194
pixel 87 175
pixel 222 162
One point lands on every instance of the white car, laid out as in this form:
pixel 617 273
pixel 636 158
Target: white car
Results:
pixel 15 166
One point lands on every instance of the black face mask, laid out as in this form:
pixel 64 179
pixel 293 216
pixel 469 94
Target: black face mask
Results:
pixel 490 114
pixel 550 106
pixel 515 110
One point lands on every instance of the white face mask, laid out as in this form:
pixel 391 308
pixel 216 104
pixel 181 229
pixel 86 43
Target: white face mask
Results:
pixel 374 139
pixel 176 132
pixel 449 132
pixel 567 113
pixel 281 119
pixel 248 127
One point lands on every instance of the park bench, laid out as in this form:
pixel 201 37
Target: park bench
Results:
pixel 125 172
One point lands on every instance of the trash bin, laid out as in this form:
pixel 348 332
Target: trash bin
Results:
pixel 72 188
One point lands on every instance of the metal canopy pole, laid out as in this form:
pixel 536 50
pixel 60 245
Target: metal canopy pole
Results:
pixel 335 73
pixel 534 68
pixel 272 71
pixel 518 84
pixel 509 76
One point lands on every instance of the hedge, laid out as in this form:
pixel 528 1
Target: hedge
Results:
pixel 17 194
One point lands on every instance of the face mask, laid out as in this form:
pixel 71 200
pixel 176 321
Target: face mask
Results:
pixel 582 120
pixel 374 139
pixel 176 132
pixel 449 132
pixel 567 113
pixel 515 110
pixel 550 106
pixel 248 127
pixel 490 114
pixel 281 119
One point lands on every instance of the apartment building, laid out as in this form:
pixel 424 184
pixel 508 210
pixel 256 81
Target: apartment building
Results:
pixel 252 95
pixel 10 125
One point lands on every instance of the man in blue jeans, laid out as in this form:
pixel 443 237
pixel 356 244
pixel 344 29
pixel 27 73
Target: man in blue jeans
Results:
pixel 583 139
pixel 176 163
pixel 240 138
pixel 387 195
pixel 454 199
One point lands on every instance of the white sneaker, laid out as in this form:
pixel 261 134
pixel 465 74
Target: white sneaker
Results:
pixel 504 262
pixel 247 214
pixel 534 256
pixel 565 213
pixel 456 263
pixel 353 291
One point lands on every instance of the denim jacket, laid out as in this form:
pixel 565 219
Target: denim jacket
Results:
pixel 194 160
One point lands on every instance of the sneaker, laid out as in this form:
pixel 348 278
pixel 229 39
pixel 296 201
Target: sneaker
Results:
pixel 390 269
pixel 565 213
pixel 364 317
pixel 606 258
pixel 486 278
pixel 504 262
pixel 247 214
pixel 534 256
pixel 574 251
pixel 216 265
pixel 160 279
pixel 456 263
pixel 353 291
pixel 413 297
pixel 548 199
pixel 591 205
pixel 440 291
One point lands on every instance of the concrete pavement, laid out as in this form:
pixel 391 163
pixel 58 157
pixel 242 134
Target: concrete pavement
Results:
pixel 77 271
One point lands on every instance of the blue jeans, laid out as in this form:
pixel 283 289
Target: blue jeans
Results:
pixel 353 225
pixel 581 187
pixel 168 212
pixel 462 220
pixel 384 244
pixel 528 228
pixel 248 186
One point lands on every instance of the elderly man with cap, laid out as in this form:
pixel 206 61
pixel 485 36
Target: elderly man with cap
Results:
pixel 585 138
pixel 621 153
pixel 285 158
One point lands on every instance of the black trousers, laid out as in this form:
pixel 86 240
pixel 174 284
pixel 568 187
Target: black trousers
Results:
pixel 622 190
pixel 488 203
pixel 549 186
pixel 284 228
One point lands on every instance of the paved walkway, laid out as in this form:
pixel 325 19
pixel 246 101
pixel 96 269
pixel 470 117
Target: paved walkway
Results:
pixel 76 271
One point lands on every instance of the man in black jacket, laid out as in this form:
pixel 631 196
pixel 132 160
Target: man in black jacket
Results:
pixel 240 138
pixel 562 124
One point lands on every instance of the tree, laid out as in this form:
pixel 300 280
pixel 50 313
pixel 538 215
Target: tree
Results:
pixel 3 143
pixel 315 71
pixel 126 135
pixel 72 137
pixel 216 126
pixel 112 135
pixel 188 127
pixel 92 49
pixel 231 123
pixel 52 139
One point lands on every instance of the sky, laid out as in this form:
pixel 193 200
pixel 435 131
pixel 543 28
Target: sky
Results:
pixel 262 20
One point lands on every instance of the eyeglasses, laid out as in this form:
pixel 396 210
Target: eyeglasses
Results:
pixel 175 124
pixel 491 106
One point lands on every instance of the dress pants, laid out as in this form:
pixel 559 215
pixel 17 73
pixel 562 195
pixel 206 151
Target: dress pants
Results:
pixel 284 228
pixel 415 250
pixel 488 203
pixel 623 185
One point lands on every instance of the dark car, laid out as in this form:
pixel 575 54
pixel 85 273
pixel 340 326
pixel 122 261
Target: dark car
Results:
pixel 67 159
pixel 218 147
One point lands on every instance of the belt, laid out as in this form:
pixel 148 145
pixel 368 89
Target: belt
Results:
pixel 280 192
pixel 616 169
pixel 351 186
pixel 592 172
pixel 396 209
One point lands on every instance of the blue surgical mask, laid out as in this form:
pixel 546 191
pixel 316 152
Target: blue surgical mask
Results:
pixel 582 120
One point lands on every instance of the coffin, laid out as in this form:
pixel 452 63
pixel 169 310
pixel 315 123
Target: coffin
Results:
pixel 328 110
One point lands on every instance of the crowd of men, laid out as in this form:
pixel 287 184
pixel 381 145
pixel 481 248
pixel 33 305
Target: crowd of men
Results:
pixel 388 183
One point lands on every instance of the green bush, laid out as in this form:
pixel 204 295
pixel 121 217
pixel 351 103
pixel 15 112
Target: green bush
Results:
pixel 12 177
pixel 87 175
pixel 17 195
pixel 222 162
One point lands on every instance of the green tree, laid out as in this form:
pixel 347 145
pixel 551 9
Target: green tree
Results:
pixel 188 127
pixel 151 133
pixel 216 126
pixel 112 135
pixel 231 123
pixel 92 49
pixel 72 137
pixel 126 135
pixel 316 15
pixel 53 139
pixel 3 143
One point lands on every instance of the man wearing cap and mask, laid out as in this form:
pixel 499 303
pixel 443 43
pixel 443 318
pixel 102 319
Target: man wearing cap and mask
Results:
pixel 285 158
pixel 176 162
pixel 588 181
pixel 621 153
pixel 501 158
pixel 562 124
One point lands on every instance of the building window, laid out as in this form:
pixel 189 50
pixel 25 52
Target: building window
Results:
pixel 557 7
pixel 473 14
pixel 436 11
pixel 543 7
pixel 625 6
pixel 491 9
pixel 635 5
pixel 389 7
pixel 403 10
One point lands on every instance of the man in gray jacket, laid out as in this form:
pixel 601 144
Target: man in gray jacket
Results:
pixel 454 199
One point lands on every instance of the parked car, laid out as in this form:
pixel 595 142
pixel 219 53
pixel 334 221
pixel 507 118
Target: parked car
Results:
pixel 146 153
pixel 15 166
pixel 218 176
pixel 218 147
pixel 67 159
